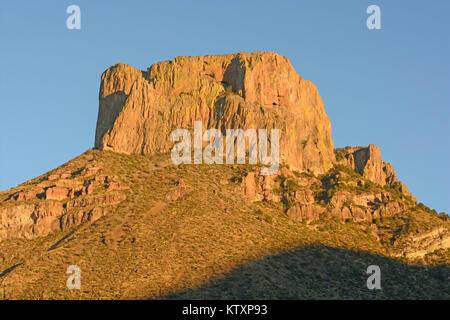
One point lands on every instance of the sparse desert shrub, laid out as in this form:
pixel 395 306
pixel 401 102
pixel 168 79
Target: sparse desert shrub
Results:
pixel 229 90
pixel 342 168
pixel 260 215
pixel 423 207
pixel 268 219
pixel 290 185
pixel 340 153
pixel 369 185
pixel 259 212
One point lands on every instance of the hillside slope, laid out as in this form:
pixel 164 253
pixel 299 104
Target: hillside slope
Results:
pixel 192 231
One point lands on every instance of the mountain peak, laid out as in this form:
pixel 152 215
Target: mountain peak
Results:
pixel 138 110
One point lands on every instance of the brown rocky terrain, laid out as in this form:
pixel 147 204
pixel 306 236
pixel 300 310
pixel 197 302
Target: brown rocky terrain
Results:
pixel 63 199
pixel 141 227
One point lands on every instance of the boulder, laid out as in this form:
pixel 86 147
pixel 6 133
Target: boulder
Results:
pixel 57 193
pixel 303 196
pixel 389 209
pixel 309 212
pixel 249 186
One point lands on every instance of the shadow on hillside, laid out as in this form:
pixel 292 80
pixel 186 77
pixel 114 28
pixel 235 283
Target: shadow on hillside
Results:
pixel 320 272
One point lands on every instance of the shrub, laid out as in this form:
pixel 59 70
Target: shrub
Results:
pixel 304 174
pixel 229 90
pixel 342 168
pixel 423 207
pixel 394 190
pixel 259 212
pixel 340 153
pixel 369 185
pixel 268 219
pixel 290 185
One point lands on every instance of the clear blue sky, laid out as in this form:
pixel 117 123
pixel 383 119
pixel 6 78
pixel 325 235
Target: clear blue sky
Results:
pixel 390 87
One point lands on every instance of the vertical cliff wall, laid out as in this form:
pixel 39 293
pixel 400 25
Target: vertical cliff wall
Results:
pixel 139 109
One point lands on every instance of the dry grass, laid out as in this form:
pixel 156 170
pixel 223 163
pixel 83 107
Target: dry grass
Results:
pixel 150 247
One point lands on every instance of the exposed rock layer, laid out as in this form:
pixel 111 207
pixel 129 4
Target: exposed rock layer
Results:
pixel 59 201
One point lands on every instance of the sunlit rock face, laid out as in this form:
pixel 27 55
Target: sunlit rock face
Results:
pixel 139 109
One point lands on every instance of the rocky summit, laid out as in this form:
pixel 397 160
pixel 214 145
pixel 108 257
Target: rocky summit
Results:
pixel 139 109
pixel 139 226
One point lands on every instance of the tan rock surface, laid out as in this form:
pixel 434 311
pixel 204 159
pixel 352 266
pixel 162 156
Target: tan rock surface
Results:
pixel 139 109
pixel 367 162
pixel 310 212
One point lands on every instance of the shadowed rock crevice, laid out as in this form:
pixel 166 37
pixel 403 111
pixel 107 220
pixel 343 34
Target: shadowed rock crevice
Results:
pixel 234 76
pixel 109 108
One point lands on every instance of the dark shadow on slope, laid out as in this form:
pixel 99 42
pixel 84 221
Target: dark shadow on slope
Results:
pixel 55 245
pixel 8 270
pixel 320 272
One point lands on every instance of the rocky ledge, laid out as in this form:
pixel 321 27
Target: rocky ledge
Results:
pixel 57 201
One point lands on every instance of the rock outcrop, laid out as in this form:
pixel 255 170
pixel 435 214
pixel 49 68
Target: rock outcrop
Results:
pixel 343 196
pixel 367 162
pixel 59 201
pixel 308 213
pixel 138 110
pixel 417 246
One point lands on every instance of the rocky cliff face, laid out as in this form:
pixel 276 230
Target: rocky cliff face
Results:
pixel 139 109
pixel 368 163
pixel 65 198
